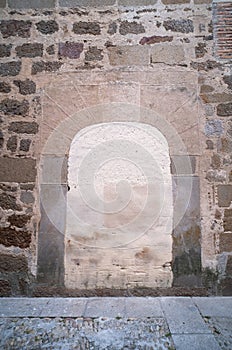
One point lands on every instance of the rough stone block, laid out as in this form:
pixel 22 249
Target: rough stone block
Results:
pixel 30 50
pixel 70 50
pixel 25 145
pixel 13 263
pixel 94 54
pixel 47 27
pixel 12 143
pixel 19 220
pixel 227 222
pixel 5 87
pixel 8 201
pixel 136 2
pixel 24 127
pixel 31 4
pixel 38 67
pixel 213 128
pixel 15 28
pixel 129 56
pixel 10 68
pixel 26 87
pixel 155 39
pixel 92 28
pixel 12 237
pixel 225 244
pixel 131 28
pixel 183 165
pixel 86 3
pixel 168 54
pixel 17 170
pixel 14 107
pixel 5 50
pixel 224 195
pixel 179 25
pixel 224 109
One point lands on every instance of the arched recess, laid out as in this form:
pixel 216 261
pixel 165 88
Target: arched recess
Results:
pixel 54 185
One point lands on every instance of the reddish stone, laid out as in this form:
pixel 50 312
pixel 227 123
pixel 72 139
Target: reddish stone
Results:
pixel 70 50
pixel 155 39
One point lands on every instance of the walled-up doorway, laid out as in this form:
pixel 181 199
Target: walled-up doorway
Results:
pixel 119 214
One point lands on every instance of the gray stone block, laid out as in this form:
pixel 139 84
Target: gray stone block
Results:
pixel 2 3
pixel 22 307
pixel 195 342
pixel 183 316
pixel 64 307
pixel 214 306
pixel 129 3
pixel 105 307
pixel 17 170
pixel 31 4
pixel 86 3
pixel 143 307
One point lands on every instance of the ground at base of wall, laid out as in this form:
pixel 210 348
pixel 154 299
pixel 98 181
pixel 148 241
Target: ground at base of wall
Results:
pixel 44 291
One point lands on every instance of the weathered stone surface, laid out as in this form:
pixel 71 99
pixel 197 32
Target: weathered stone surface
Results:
pixel 19 220
pixel 92 28
pixel 13 263
pixel 25 145
pixel 228 80
pixel 12 144
pixel 216 97
pixel 27 197
pixel 27 187
pixel 70 49
pixel 47 27
pixel 225 242
pixel 167 54
pixel 86 3
pixel 128 56
pixel 24 127
pixel 206 66
pixel 112 29
pixel 136 2
pixel 15 28
pixel 31 4
pixel 5 87
pixel 155 39
pixel 200 50
pixel 229 266
pixel 224 109
pixel 225 145
pixel 9 188
pixel 2 3
pixel 14 107
pixel 12 237
pixel 17 170
pixel 38 67
pixel 10 68
pixel 8 202
pixel 5 50
pixel 30 50
pixel 213 128
pixel 50 50
pixel 179 25
pixel 26 87
pixel 215 161
pixel 216 175
pixel 206 88
pixel 131 28
pixel 93 54
pixel 1 139
pixel 227 221
pixel 5 287
pixel 224 195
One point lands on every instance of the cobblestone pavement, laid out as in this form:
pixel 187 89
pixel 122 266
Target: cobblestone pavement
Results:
pixel 162 323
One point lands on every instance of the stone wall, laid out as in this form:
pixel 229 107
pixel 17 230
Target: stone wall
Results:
pixel 60 61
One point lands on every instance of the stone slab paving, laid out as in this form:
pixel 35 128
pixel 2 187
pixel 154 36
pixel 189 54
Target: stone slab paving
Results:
pixel 116 323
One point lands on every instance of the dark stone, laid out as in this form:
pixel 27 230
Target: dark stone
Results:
pixel 14 107
pixel 38 67
pixel 13 263
pixel 27 187
pixel 2 3
pixel 112 28
pixel 228 80
pixel 10 68
pixel 27 197
pixel 47 27
pixel 227 221
pixel 206 66
pixel 15 28
pixel 5 50
pixel 50 50
pixel 20 170
pixel 179 25
pixel 200 50
pixel 189 263
pixel 12 144
pixel 9 202
pixel 93 54
pixel 226 286
pixel 1 139
pixel 25 145
pixel 155 39
pixel 30 50
pixel 19 220
pixel 225 145
pixel 11 237
pixel 26 87
pixel 224 109
pixel 225 242
pixel 131 28
pixel 9 188
pixel 5 87
pixel 209 144
pixel 215 161
pixel 5 288
pixel 24 127
pixel 229 266
pixel 92 28
pixel 206 88
pixel 224 195
pixel 70 50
